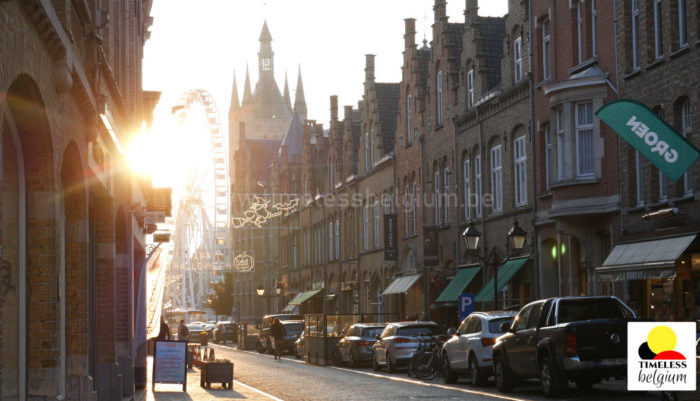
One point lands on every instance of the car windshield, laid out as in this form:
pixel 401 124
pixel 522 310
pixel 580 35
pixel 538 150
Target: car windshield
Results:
pixel 294 328
pixel 415 331
pixel 372 331
pixel 572 310
pixel 495 324
pixel 290 317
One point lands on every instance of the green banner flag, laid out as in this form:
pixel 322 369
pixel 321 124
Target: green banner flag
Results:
pixel 669 151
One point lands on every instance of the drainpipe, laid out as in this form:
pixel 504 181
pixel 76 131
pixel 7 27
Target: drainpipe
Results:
pixel 421 139
pixel 535 246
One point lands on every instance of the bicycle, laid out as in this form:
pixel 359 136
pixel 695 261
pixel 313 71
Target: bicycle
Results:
pixel 426 362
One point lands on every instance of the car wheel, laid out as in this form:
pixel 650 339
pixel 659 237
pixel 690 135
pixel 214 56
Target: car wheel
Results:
pixel 389 366
pixel 550 379
pixel 583 383
pixel 337 357
pixel 477 376
pixel 375 364
pixel 297 354
pixel 504 378
pixel 448 375
pixel 353 361
pixel 259 347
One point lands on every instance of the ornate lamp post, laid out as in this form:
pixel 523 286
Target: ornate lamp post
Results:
pixel 516 241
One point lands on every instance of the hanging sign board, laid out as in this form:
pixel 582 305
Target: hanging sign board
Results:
pixel 170 363
pixel 391 250
pixel 669 151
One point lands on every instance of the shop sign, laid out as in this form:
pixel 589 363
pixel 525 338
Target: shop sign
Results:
pixel 669 151
pixel 159 200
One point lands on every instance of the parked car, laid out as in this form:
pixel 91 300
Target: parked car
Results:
pixel 225 331
pixel 299 347
pixel 579 339
pixel 397 343
pixel 355 347
pixel 292 329
pixel 469 350
pixel 264 342
pixel 197 333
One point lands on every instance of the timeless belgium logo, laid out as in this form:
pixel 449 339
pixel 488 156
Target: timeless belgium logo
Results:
pixel 661 356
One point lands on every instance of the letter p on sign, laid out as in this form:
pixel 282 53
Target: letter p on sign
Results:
pixel 465 305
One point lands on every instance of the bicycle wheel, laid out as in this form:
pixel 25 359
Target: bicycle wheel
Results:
pixel 412 366
pixel 424 367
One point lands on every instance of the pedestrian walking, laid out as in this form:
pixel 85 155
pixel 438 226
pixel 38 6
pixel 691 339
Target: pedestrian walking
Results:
pixel 183 333
pixel 277 332
pixel 164 332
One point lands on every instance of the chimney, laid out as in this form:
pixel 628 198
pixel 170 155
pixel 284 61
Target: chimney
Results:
pixel 471 12
pixel 369 67
pixel 410 35
pixel 334 108
pixel 348 113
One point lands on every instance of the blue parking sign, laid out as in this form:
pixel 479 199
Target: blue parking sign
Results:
pixel 465 305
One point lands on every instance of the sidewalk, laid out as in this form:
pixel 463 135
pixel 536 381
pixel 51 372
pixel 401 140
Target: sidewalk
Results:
pixel 168 392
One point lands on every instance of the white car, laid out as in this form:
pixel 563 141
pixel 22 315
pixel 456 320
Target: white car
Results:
pixel 470 350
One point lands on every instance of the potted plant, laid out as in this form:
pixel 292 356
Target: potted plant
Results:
pixel 217 371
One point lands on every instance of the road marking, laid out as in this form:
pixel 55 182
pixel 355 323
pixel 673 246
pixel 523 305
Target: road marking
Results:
pixel 270 396
pixel 441 386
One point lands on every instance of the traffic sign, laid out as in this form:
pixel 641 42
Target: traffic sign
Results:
pixel 465 304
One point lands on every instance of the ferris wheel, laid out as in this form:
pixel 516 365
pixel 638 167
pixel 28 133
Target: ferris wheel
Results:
pixel 201 233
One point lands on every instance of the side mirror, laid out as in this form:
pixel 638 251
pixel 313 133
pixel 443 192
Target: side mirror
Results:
pixel 506 328
pixel 451 331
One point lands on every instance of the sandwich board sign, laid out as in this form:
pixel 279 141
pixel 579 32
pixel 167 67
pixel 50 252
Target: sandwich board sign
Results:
pixel 170 363
pixel 669 151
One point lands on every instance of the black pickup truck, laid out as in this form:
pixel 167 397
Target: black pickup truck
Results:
pixel 579 339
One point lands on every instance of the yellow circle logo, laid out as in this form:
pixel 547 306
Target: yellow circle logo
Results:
pixel 661 338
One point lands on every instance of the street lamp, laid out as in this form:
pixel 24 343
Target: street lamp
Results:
pixel 516 240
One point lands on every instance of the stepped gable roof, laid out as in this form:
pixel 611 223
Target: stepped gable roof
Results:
pixel 388 102
pixel 294 139
pixel 492 30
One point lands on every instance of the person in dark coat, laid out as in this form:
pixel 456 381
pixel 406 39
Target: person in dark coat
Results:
pixel 277 332
pixel 164 332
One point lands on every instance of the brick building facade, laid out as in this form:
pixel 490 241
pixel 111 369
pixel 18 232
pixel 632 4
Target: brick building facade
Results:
pixel 72 237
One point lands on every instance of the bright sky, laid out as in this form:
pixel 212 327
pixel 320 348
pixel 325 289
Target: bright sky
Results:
pixel 199 44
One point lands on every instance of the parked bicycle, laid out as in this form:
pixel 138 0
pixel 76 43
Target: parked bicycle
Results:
pixel 426 362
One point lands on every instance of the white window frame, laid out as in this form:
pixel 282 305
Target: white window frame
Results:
pixel 686 130
pixel 406 209
pixel 439 98
pixel 520 171
pixel 331 241
pixel 337 238
pixel 415 206
pixel 561 144
pixel 579 31
pixel 409 130
pixel 377 242
pixel 497 178
pixel 446 195
pixel 639 170
pixel 548 155
pixel 365 227
pixel 546 50
pixel 682 23
pixel 658 26
pixel 635 34
pixel 436 180
pixel 466 170
pixel 594 23
pixel 470 89
pixel 583 149
pixel 518 59
pixel 478 188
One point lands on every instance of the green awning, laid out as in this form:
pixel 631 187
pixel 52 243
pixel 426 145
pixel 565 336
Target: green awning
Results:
pixel 451 293
pixel 506 272
pixel 303 297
